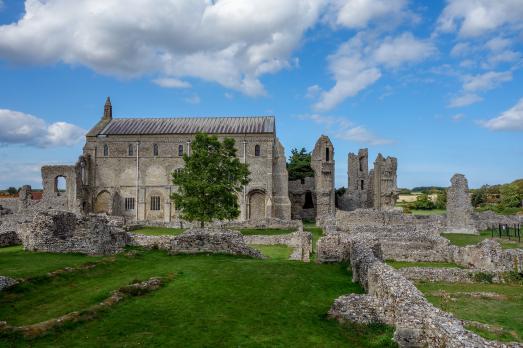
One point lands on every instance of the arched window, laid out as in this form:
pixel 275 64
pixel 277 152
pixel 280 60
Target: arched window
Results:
pixel 180 150
pixel 60 185
pixel 327 154
pixel 131 150
pixel 257 151
pixel 155 150
pixel 106 150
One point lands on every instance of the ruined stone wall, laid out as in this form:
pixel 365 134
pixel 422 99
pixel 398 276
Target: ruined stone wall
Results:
pixel 300 241
pixel 357 194
pixel 486 219
pixel 281 203
pixel 459 207
pixel 9 203
pixel 323 164
pixel 384 187
pixel 302 194
pixel 60 232
pixel 394 300
pixel 448 275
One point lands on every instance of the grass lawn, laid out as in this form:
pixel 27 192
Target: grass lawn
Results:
pixel 428 212
pixel 505 311
pixel 279 252
pixel 214 300
pixel 403 264
pixel 471 239
pixel 159 231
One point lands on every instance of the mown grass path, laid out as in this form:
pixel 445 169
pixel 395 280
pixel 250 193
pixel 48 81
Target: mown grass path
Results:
pixel 218 300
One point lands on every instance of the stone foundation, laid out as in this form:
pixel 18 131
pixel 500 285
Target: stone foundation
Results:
pixel 62 232
pixel 9 238
pixel 198 240
pixel 448 275
pixel 300 241
pixel 6 282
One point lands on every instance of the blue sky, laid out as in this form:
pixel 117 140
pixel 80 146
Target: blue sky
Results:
pixel 439 85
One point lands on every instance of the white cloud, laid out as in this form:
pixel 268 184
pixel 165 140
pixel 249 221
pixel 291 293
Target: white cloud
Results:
pixel 194 99
pixel 313 91
pixel 510 120
pixel 231 42
pixel 464 100
pixel 18 174
pixel 167 82
pixel 357 14
pixel 356 65
pixel 20 128
pixel 342 128
pixel 457 117
pixel 472 18
pixel 486 81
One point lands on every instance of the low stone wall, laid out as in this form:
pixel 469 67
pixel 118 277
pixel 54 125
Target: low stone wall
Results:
pixel 488 256
pixel 9 203
pixel 9 238
pixel 448 275
pixel 333 247
pixel 263 223
pixel 6 282
pixel 198 240
pixel 300 241
pixel 394 300
pixel 60 232
pixel 486 219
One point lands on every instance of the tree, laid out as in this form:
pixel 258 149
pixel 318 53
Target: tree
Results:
pixel 299 166
pixel 422 203
pixel 441 200
pixel 209 184
pixel 510 197
pixel 12 190
pixel 479 196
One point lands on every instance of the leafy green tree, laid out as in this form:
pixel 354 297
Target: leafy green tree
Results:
pixel 209 184
pixel 479 196
pixel 299 166
pixel 12 190
pixel 510 197
pixel 422 203
pixel 441 200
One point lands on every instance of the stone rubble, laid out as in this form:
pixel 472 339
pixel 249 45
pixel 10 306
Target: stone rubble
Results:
pixel 6 282
pixel 459 207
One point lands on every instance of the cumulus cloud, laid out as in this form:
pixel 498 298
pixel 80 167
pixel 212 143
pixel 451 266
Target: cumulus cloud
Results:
pixel 21 128
pixel 357 64
pixel 167 82
pixel 464 100
pixel 510 120
pixel 472 18
pixel 357 14
pixel 231 42
pixel 342 128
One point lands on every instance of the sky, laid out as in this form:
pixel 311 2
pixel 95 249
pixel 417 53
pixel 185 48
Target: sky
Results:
pixel 437 84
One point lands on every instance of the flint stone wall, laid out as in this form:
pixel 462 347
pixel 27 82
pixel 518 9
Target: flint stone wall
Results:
pixel 9 238
pixel 459 207
pixel 488 256
pixel 448 275
pixel 487 219
pixel 394 300
pixel 61 232
pixel 9 203
pixel 300 241
pixel 6 282
pixel 198 240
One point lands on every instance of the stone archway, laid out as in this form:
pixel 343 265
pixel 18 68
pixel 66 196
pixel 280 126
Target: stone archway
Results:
pixel 257 205
pixel 103 203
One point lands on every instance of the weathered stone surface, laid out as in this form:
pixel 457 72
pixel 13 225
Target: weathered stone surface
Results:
pixel 459 208
pixel 201 240
pixel 489 256
pixel 302 194
pixel 59 232
pixel 9 238
pixel 6 282
pixel 449 275
pixel 487 219
pixel 323 164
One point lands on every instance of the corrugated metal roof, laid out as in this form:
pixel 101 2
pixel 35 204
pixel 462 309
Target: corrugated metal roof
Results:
pixel 190 125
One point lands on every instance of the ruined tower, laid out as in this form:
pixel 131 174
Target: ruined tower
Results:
pixel 322 162
pixel 358 184
pixel 459 207
pixel 384 185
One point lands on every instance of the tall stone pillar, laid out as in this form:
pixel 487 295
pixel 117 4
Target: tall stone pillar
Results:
pixel 322 162
pixel 459 207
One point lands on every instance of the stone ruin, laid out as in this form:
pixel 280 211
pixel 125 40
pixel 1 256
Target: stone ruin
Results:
pixel 322 162
pixel 62 232
pixel 459 207
pixel 376 188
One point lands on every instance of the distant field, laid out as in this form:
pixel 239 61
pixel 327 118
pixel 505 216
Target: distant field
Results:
pixel 429 212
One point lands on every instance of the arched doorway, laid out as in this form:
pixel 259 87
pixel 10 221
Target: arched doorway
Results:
pixel 103 202
pixel 257 205
pixel 60 185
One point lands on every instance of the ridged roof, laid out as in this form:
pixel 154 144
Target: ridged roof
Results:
pixel 190 125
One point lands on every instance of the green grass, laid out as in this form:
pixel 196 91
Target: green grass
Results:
pixel 279 252
pixel 17 263
pixel 214 300
pixel 506 312
pixel 428 212
pixel 403 264
pixel 317 233
pixel 159 231
pixel 264 231
pixel 471 239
